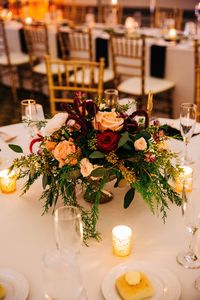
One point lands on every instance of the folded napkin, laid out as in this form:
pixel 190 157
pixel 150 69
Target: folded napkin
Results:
pixel 22 39
pixel 157 61
pixel 102 50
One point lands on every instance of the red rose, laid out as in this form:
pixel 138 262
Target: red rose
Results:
pixel 108 140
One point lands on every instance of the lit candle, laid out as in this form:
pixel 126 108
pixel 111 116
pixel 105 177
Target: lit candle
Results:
pixel 28 20
pixel 7 181
pixel 121 240
pixel 185 178
pixel 114 2
pixel 172 34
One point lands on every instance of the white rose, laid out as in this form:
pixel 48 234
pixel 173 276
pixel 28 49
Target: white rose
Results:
pixel 86 167
pixel 55 123
pixel 105 120
pixel 140 144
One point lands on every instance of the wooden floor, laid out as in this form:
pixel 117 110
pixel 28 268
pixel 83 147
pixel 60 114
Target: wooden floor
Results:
pixel 10 112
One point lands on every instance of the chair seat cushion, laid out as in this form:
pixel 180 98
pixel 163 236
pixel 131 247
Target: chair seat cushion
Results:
pixel 108 76
pixel 15 58
pixel 41 68
pixel 132 85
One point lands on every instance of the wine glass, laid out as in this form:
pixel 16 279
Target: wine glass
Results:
pixel 191 214
pixel 68 229
pixel 188 114
pixel 29 114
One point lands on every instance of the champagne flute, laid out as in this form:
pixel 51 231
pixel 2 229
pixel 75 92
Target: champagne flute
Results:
pixel 188 114
pixel 191 213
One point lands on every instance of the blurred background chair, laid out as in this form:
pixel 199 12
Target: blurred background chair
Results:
pixel 197 76
pixel 79 45
pixel 63 85
pixel 168 17
pixel 130 71
pixel 36 35
pixel 75 44
pixel 11 62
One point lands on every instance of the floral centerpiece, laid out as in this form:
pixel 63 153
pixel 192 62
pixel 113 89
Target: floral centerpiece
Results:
pixel 91 144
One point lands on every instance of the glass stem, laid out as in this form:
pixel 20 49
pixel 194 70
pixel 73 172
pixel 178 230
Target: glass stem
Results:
pixel 186 149
pixel 190 256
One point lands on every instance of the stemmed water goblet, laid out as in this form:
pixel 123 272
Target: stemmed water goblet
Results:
pixel 188 113
pixel 61 272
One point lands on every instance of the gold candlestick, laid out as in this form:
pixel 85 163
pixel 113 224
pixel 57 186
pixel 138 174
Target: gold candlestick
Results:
pixel 150 103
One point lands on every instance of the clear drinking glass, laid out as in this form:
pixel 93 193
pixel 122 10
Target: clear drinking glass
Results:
pixel 191 214
pixel 111 97
pixel 188 114
pixel 61 277
pixel 68 228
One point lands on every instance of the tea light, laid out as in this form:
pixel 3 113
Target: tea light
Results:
pixel 114 2
pixel 28 20
pixel 186 178
pixel 7 181
pixel 172 34
pixel 121 240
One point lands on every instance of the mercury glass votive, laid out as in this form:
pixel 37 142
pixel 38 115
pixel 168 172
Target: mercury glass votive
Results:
pixel 186 178
pixel 7 181
pixel 121 240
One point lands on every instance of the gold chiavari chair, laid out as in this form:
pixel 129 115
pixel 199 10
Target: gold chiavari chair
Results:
pixel 197 76
pixel 78 45
pixel 36 35
pixel 161 14
pixel 62 85
pixel 130 70
pixel 75 13
pixel 10 62
pixel 75 44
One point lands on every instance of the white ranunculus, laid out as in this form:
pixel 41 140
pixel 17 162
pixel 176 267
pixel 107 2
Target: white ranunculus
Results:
pixel 55 123
pixel 86 167
pixel 140 144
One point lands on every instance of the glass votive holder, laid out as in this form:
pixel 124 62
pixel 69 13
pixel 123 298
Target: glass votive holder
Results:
pixel 185 178
pixel 111 97
pixel 7 181
pixel 121 240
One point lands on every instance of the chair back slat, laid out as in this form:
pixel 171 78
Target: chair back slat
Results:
pixel 73 76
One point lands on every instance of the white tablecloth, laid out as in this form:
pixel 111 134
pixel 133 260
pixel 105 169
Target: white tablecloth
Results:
pixel 26 235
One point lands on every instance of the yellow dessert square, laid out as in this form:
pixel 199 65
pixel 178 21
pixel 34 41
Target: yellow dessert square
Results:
pixel 140 291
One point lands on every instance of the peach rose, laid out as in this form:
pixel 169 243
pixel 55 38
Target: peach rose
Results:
pixel 66 153
pixel 140 144
pixel 50 145
pixel 105 120
pixel 86 167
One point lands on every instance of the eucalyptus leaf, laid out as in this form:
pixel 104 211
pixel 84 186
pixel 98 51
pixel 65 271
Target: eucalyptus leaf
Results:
pixel 44 181
pixel 99 172
pixel 124 139
pixel 15 148
pixel 129 197
pixel 97 154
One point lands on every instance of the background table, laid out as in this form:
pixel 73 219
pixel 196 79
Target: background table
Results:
pixel 26 235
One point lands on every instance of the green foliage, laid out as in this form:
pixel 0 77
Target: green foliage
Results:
pixel 15 148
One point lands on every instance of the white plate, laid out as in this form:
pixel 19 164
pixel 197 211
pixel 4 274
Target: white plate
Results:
pixel 15 284
pixel 166 285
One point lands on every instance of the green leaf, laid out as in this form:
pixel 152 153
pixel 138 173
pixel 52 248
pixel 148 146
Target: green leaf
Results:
pixel 124 139
pixel 44 181
pixel 15 148
pixel 99 172
pixel 129 197
pixel 97 154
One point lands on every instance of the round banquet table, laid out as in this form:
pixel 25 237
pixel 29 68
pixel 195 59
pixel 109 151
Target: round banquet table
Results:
pixel 26 234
